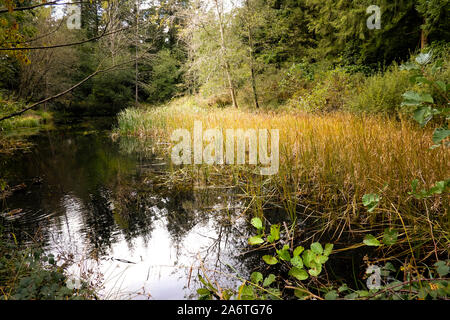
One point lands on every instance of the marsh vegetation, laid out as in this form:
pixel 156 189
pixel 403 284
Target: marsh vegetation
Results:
pixel 95 207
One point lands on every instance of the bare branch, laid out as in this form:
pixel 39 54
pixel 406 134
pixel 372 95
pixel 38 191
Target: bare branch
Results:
pixel 66 44
pixel 34 105
pixel 53 3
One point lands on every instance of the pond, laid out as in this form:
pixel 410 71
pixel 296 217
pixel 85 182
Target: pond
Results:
pixel 95 202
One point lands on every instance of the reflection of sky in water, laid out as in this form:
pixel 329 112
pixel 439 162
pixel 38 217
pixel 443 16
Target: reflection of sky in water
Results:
pixel 94 199
pixel 158 268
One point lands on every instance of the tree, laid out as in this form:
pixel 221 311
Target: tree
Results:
pixel 32 39
pixel 223 44
pixel 436 17
pixel 249 21
pixel 340 27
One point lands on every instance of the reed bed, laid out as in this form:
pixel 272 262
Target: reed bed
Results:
pixel 327 163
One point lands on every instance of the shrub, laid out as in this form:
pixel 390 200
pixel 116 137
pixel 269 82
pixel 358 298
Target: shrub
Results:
pixel 220 100
pixel 329 94
pixel 30 274
pixel 381 92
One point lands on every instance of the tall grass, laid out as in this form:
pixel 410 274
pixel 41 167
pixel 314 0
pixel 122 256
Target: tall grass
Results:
pixel 327 163
pixel 32 119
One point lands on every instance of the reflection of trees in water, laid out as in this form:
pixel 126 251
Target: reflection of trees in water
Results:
pixel 117 195
pixel 69 164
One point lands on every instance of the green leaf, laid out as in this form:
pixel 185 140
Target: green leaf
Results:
pixel 412 98
pixel 269 280
pixel 422 80
pixel 274 293
pixel 438 188
pixel 343 288
pixel 300 294
pixel 298 273
pixel 202 280
pixel 437 66
pixel 203 292
pixel 256 277
pixel 440 134
pixel 247 293
pixel 328 249
pixel 414 185
pixel 317 248
pixel 255 240
pixel 351 296
pixel 423 293
pixel 270 260
pixel 274 232
pixel 363 293
pixel 257 223
pixel 227 294
pixel 442 85
pixel 442 268
pixel 371 201
pixel 321 259
pixel 331 295
pixel 370 240
pixel 389 267
pixel 316 269
pixel 296 261
pixel 390 236
pixel 298 251
pixel 424 114
pixel 308 257
pixel 284 254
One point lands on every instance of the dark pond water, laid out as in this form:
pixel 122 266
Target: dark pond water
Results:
pixel 97 199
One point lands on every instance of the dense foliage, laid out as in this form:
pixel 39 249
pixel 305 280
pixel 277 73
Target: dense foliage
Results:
pixel 342 79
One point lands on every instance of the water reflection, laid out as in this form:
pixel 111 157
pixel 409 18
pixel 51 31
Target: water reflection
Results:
pixel 96 198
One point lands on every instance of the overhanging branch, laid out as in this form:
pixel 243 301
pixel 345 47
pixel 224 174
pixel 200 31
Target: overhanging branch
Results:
pixel 34 105
pixel 53 3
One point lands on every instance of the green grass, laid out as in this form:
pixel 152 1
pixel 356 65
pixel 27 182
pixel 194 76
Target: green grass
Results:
pixel 13 130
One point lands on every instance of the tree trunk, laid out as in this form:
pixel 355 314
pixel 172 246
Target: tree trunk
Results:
pixel 423 37
pixel 46 91
pixel 252 60
pixel 423 40
pixel 136 53
pixel 224 52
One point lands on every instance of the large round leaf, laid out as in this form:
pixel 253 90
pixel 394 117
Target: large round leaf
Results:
pixel 299 274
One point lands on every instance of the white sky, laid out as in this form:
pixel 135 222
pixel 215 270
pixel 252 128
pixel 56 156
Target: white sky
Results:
pixel 58 11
